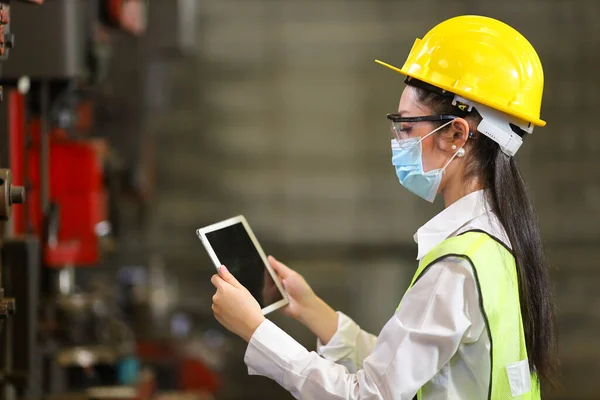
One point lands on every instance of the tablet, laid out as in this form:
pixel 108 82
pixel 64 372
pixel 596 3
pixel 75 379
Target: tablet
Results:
pixel 233 244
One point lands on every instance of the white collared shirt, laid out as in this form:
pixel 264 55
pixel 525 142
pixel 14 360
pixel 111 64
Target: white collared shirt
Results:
pixel 436 341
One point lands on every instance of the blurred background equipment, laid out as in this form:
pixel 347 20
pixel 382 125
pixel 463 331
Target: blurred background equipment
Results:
pixel 71 333
pixel 9 194
pixel 132 123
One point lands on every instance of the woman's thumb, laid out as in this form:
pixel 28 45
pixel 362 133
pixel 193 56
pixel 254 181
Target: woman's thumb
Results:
pixel 282 270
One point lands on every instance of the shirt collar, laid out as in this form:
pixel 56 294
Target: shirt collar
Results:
pixel 450 220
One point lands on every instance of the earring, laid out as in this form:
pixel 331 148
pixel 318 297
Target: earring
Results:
pixel 453 147
pixel 460 153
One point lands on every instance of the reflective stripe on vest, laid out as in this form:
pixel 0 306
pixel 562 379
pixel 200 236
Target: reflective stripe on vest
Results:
pixel 496 278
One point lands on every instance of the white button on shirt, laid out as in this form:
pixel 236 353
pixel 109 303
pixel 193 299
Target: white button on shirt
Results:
pixel 436 341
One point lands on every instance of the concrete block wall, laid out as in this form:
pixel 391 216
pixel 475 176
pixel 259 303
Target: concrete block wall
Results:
pixel 281 117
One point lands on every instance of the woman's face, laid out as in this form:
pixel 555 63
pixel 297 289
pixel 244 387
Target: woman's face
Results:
pixel 433 155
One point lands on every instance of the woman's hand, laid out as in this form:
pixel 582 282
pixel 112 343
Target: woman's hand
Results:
pixel 234 307
pixel 305 305
pixel 301 296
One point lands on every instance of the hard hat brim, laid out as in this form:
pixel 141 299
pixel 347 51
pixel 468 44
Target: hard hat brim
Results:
pixel 528 118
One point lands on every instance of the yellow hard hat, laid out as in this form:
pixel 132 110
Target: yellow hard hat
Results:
pixel 483 60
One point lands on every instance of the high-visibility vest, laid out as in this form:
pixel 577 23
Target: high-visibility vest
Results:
pixel 495 274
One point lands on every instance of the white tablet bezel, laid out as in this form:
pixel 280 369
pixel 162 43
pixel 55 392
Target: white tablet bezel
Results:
pixel 213 256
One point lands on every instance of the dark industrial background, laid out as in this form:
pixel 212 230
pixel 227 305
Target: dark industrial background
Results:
pixel 276 110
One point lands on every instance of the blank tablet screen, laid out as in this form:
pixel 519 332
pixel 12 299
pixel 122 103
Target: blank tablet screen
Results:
pixel 235 250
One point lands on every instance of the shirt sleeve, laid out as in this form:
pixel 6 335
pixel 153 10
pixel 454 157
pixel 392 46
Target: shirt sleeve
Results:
pixel 421 337
pixel 349 346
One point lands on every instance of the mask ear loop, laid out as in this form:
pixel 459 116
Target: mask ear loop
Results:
pixel 435 130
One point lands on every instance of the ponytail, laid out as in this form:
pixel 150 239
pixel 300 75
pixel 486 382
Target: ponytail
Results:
pixel 508 198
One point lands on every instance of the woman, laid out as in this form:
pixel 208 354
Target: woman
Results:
pixel 476 322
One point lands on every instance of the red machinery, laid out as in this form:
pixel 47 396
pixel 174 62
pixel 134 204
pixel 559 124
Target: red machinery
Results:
pixel 63 174
pixel 77 191
pixel 76 176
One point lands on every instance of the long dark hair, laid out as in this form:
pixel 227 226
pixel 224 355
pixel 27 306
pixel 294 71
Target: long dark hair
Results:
pixel 507 195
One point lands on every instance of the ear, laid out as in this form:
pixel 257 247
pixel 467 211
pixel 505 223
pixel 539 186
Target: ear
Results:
pixel 455 136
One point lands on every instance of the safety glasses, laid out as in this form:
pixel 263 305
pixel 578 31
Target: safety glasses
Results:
pixel 402 132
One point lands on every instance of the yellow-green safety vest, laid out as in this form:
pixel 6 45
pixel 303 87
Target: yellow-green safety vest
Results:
pixel 495 274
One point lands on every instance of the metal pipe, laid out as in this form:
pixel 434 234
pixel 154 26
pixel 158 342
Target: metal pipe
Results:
pixel 44 147
pixel 27 144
